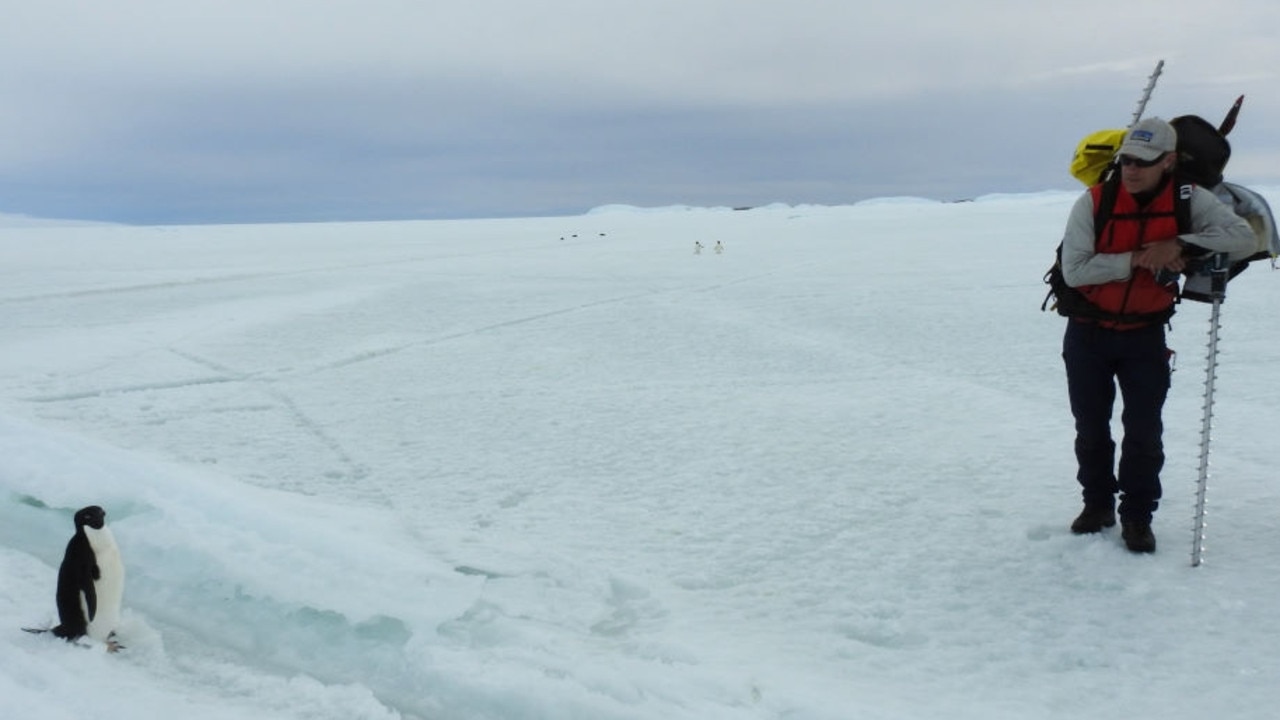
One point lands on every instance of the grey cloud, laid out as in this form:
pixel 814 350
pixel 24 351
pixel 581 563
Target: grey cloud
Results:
pixel 235 111
pixel 283 156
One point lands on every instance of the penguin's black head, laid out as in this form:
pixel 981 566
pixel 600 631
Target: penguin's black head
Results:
pixel 92 516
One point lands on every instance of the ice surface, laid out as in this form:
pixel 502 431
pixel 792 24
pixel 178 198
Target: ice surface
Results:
pixel 570 468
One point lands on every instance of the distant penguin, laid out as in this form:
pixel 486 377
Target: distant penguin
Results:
pixel 90 581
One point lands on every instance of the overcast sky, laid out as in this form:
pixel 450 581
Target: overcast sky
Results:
pixel 196 111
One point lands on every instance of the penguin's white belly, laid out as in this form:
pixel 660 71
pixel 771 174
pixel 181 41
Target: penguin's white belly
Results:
pixel 109 587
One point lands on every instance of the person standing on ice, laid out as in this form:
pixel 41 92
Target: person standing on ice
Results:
pixel 1116 270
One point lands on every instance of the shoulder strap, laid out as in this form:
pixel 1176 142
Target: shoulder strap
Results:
pixel 1182 191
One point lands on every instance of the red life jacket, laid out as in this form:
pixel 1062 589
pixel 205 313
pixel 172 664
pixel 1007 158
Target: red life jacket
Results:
pixel 1128 228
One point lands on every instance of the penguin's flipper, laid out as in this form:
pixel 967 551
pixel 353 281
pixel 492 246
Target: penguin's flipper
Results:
pixel 90 597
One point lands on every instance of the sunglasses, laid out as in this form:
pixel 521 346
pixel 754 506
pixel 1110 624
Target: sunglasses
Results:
pixel 1127 160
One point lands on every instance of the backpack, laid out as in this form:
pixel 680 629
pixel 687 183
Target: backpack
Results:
pixel 1203 150
pixel 1203 153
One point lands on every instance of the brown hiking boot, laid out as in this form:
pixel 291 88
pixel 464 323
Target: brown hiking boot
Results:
pixel 1137 536
pixel 1094 519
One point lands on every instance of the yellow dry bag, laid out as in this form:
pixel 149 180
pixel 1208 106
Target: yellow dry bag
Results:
pixel 1094 154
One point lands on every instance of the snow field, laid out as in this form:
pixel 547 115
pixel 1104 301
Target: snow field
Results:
pixel 566 468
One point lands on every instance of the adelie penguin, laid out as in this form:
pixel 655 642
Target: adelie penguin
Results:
pixel 90 582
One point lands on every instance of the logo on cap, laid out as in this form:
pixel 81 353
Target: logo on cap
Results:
pixel 1143 135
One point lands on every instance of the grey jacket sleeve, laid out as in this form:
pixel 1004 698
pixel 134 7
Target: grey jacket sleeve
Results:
pixel 1081 265
pixel 1217 227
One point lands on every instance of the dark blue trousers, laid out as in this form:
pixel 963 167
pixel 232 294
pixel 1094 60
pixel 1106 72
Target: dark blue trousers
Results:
pixel 1098 359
